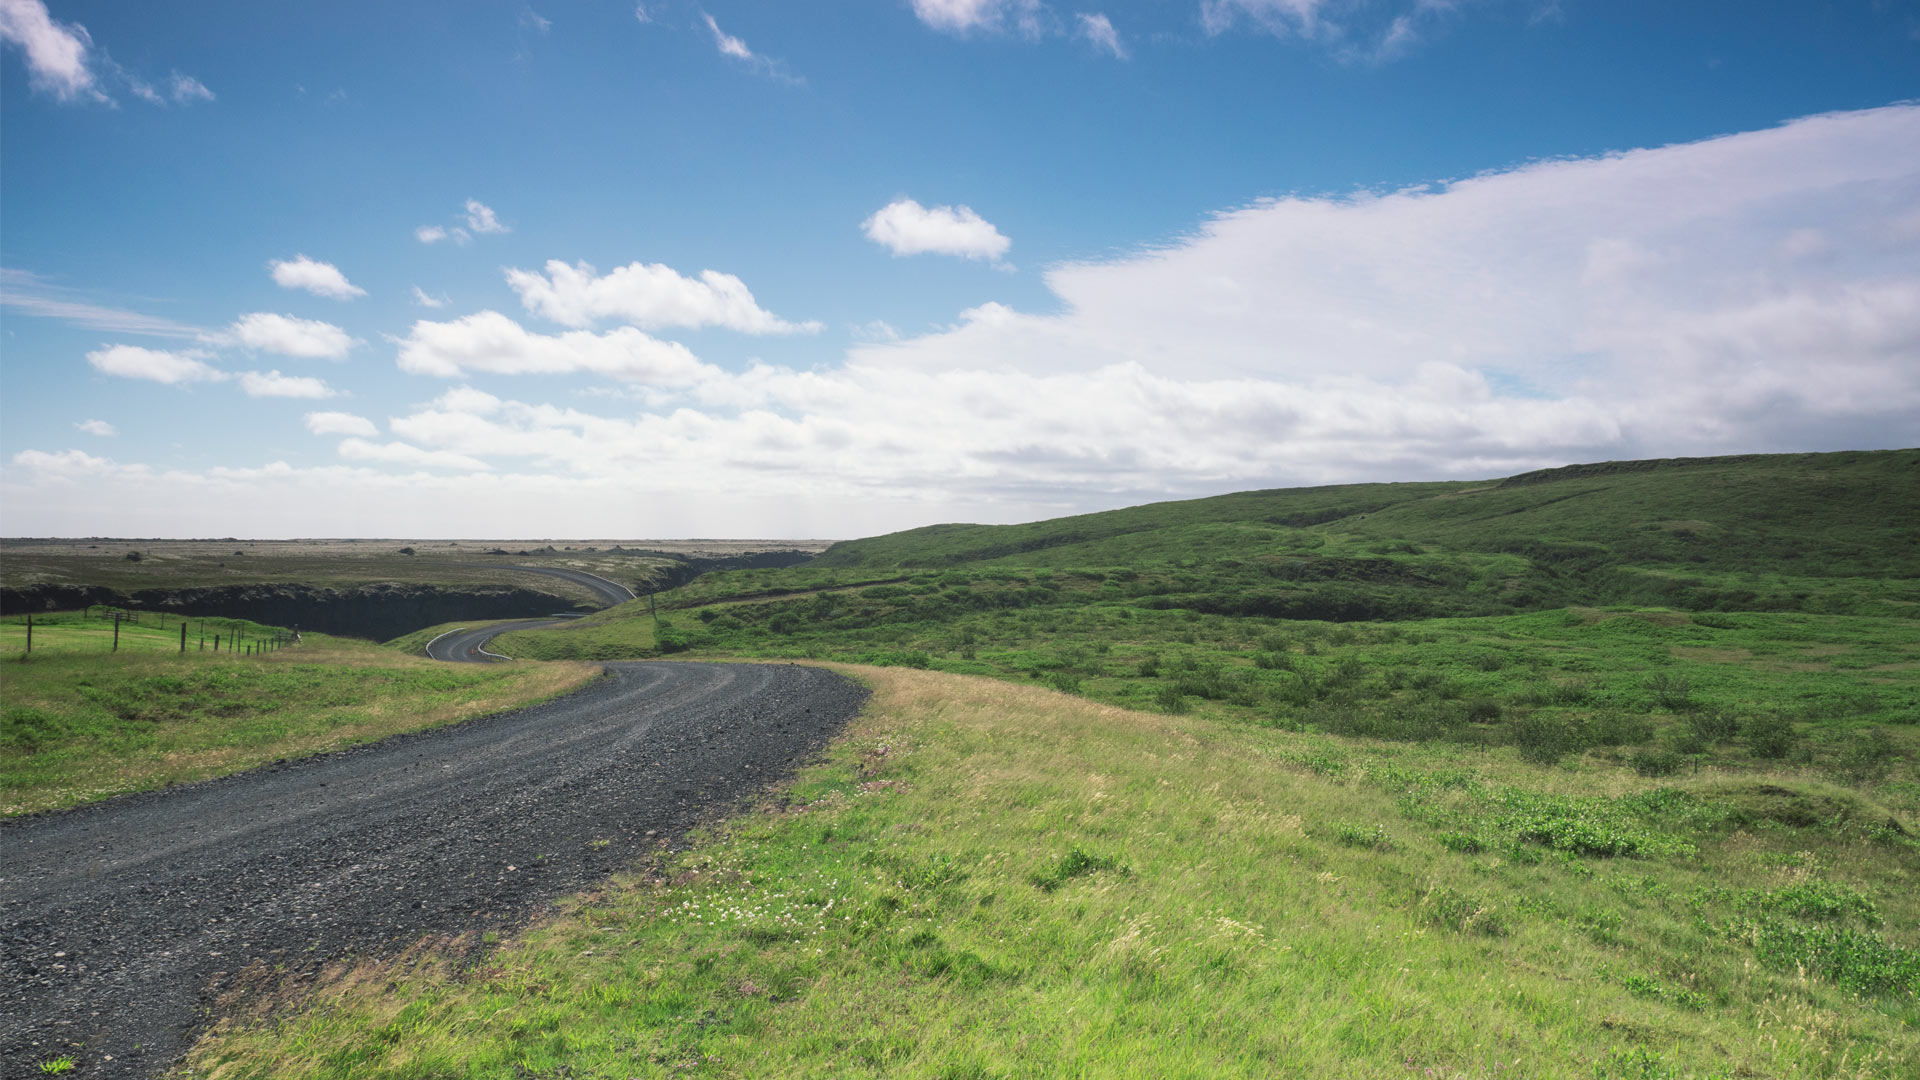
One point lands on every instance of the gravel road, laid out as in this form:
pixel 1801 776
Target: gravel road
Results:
pixel 121 922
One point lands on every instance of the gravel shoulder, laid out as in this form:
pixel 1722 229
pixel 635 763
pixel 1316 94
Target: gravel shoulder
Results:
pixel 121 922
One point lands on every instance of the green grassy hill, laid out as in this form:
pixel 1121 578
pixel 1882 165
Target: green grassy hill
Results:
pixel 1605 772
pixel 1818 532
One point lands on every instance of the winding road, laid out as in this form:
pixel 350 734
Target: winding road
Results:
pixel 122 923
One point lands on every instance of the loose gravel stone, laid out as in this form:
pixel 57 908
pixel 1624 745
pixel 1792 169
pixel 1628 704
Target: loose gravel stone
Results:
pixel 124 920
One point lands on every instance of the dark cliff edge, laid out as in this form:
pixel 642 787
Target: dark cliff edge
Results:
pixel 379 611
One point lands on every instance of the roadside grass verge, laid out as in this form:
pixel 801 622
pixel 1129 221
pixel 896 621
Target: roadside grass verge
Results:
pixel 992 879
pixel 81 724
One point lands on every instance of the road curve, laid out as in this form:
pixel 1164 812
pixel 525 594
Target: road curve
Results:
pixel 464 646
pixel 609 592
pixel 121 922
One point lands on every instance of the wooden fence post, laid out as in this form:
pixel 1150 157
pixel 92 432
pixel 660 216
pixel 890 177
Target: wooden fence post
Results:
pixel 29 633
pixel 183 635
pixel 116 632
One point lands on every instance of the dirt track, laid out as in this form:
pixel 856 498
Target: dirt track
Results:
pixel 120 922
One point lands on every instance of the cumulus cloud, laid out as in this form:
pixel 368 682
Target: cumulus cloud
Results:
pixel 399 453
pixel 904 227
pixel 1638 304
pixel 56 53
pixel 98 427
pixel 156 365
pixel 478 218
pixel 968 16
pixel 1098 29
pixel 490 342
pixel 289 336
pixel 318 278
pixel 1747 293
pixel 274 384
pixel 340 423
pixel 649 295
pixel 433 234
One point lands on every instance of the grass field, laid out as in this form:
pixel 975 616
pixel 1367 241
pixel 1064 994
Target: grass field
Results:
pixel 80 723
pixel 988 879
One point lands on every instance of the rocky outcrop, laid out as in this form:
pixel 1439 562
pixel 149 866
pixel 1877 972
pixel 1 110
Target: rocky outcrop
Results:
pixel 31 599
pixel 380 611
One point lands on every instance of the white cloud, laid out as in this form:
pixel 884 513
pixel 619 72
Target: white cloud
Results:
pixel 284 334
pixel 967 16
pixel 430 234
pixel 727 43
pixel 905 227
pixel 490 342
pixel 423 299
pixel 1099 30
pixel 26 292
pixel 98 427
pixel 640 13
pixel 158 365
pixel 1653 303
pixel 737 49
pixel 399 453
pixel 274 384
pixel 340 423
pixel 60 61
pixel 649 295
pixel 56 53
pixel 480 218
pixel 1365 33
pixel 1302 17
pixel 185 89
pixel 875 330
pixel 318 278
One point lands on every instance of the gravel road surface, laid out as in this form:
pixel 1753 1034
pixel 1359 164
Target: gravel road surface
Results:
pixel 465 646
pixel 121 922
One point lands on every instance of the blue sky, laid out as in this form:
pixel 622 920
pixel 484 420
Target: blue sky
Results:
pixel 599 269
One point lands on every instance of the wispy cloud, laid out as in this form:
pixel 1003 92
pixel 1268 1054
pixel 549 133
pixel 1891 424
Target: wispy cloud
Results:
pixel 26 292
pixel 56 53
pixel 1028 17
pixel 98 427
pixel 481 219
pixel 62 61
pixel 1098 29
pixel 737 49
